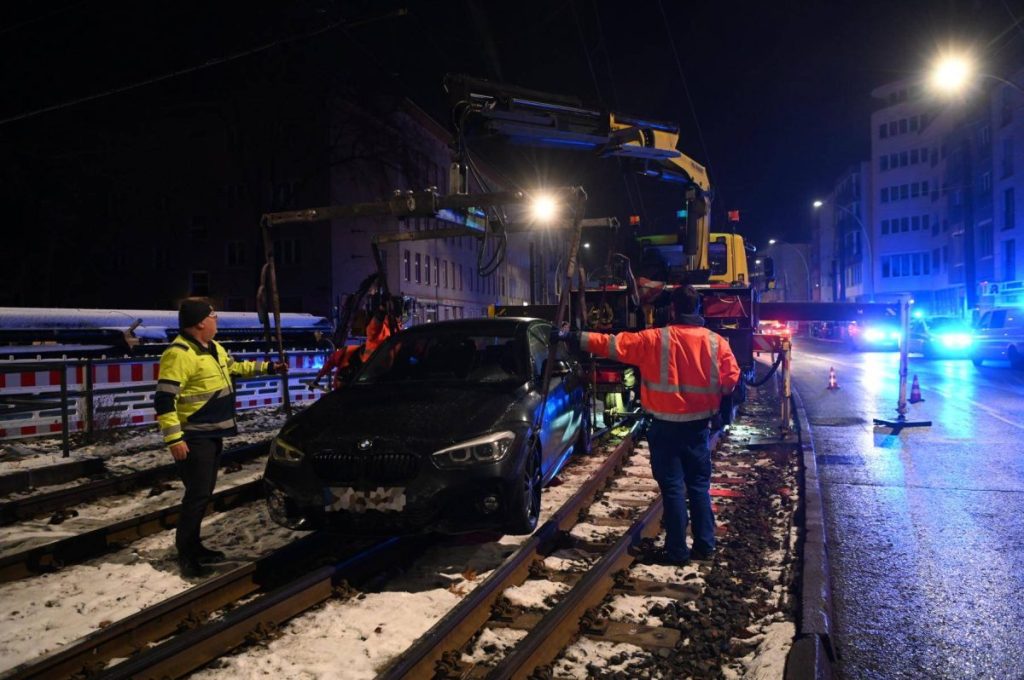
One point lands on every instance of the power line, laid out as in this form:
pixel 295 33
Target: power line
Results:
pixel 686 88
pixel 199 67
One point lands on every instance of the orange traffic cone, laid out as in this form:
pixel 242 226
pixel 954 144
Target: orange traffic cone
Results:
pixel 915 392
pixel 833 384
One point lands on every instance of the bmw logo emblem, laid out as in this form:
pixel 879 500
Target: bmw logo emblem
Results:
pixel 364 444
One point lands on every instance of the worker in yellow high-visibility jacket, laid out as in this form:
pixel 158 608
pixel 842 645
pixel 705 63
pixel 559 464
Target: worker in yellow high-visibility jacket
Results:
pixel 685 370
pixel 195 407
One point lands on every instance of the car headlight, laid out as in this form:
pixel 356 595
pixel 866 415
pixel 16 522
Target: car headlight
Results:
pixel 956 340
pixel 283 452
pixel 486 449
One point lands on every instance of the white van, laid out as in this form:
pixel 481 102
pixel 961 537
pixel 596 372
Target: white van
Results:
pixel 1000 336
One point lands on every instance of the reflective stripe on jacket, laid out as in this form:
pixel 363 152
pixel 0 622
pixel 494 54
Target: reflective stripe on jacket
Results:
pixel 194 392
pixel 685 369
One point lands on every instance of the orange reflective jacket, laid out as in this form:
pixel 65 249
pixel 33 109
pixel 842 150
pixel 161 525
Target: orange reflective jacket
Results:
pixel 377 331
pixel 685 369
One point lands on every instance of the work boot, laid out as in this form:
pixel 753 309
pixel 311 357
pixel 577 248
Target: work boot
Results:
pixel 207 556
pixel 191 567
pixel 702 555
pixel 660 556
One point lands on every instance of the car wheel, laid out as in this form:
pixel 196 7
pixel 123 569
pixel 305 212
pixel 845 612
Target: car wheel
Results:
pixel 1015 358
pixel 524 506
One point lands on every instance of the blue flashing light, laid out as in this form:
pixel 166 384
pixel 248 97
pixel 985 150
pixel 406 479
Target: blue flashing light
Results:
pixel 918 313
pixel 956 340
pixel 682 214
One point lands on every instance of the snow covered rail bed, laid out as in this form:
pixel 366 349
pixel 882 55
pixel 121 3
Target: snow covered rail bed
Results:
pixel 60 500
pixel 187 615
pixel 80 547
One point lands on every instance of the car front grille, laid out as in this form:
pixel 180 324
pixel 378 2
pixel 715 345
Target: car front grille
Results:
pixel 371 468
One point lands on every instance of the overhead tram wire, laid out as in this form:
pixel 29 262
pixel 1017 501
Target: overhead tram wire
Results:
pixel 686 88
pixel 192 69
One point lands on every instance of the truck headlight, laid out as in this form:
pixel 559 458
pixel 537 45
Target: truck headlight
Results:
pixel 283 452
pixel 486 449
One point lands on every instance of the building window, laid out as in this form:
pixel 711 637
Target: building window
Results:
pixel 935 259
pixel 197 227
pixel 460 277
pixel 986 244
pixel 884 195
pixel 287 252
pixel 406 264
pixel 418 268
pixel 235 253
pixel 1010 260
pixel 444 273
pixel 198 284
pixel 1009 209
pixel 885 267
pixel 986 181
pixel 882 131
pixel 1007 156
pixel 903 126
pixel 885 227
pixel 904 224
pixel 892 128
pixel 426 269
pixel 883 162
pixel 913 124
pixel 985 136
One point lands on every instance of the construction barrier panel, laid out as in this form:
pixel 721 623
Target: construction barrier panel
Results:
pixel 115 393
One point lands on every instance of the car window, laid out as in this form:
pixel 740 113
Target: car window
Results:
pixel 539 337
pixel 451 354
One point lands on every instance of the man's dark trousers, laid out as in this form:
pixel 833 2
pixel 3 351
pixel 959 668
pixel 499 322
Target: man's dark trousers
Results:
pixel 199 473
pixel 681 462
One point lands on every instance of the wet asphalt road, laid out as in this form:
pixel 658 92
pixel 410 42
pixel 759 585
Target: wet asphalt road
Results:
pixel 925 528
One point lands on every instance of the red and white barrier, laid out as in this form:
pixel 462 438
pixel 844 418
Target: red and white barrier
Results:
pixel 123 393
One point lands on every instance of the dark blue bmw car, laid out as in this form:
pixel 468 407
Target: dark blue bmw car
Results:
pixel 442 430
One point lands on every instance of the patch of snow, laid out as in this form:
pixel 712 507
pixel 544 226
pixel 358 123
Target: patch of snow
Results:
pixel 535 593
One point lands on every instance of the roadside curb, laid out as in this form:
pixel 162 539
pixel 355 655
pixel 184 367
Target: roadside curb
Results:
pixel 812 654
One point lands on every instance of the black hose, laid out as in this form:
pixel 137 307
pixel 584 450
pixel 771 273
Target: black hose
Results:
pixel 771 371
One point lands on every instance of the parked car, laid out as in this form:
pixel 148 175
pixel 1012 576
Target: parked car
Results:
pixel 443 430
pixel 941 337
pixel 873 336
pixel 774 328
pixel 999 335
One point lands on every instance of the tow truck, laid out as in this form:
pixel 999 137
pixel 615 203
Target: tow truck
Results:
pixel 688 254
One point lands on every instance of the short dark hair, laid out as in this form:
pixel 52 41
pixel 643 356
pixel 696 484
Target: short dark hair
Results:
pixel 686 300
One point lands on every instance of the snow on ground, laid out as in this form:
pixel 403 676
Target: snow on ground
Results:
pixel 493 642
pixel 43 613
pixel 586 652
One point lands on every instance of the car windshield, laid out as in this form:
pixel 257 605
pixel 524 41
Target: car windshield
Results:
pixel 461 354
pixel 948 324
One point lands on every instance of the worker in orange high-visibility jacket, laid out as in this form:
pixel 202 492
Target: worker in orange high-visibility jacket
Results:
pixel 377 331
pixel 685 370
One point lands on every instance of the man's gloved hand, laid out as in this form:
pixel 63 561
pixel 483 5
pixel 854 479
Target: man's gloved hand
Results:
pixel 277 368
pixel 571 338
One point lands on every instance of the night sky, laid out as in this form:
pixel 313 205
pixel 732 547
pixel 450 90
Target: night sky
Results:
pixel 779 93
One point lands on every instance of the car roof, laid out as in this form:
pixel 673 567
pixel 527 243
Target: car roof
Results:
pixel 475 323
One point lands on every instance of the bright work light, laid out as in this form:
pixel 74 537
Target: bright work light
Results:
pixel 544 208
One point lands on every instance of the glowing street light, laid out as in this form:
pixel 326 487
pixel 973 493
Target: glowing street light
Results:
pixel 771 241
pixel 951 73
pixel 818 204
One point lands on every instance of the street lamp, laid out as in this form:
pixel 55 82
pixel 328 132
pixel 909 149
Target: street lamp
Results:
pixel 807 270
pixel 952 73
pixel 867 241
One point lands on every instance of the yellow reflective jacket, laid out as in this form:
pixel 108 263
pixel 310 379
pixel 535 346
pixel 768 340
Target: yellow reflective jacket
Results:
pixel 195 396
